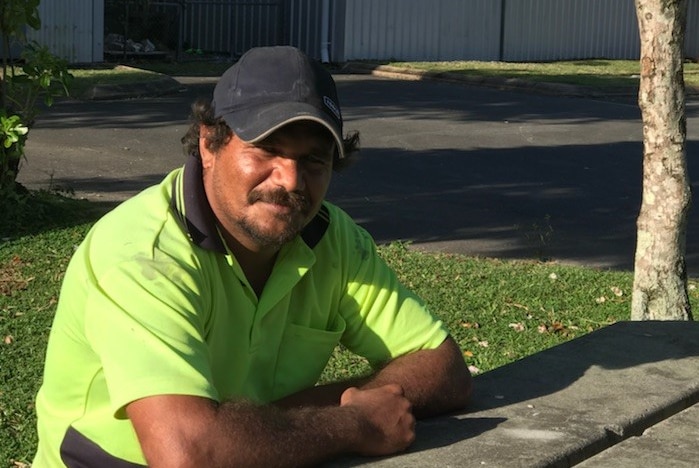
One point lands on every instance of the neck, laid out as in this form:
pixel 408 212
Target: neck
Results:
pixel 256 261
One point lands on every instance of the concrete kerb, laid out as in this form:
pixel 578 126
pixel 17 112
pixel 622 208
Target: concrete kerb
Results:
pixel 559 89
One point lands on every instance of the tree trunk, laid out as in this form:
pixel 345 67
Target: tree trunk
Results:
pixel 660 281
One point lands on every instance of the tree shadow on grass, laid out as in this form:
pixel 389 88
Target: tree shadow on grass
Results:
pixel 42 211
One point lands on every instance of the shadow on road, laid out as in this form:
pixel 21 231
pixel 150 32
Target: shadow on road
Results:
pixel 447 167
pixel 570 203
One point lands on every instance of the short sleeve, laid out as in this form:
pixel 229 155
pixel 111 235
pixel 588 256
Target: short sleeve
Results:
pixel 144 318
pixel 384 319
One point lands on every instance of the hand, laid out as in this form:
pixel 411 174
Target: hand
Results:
pixel 387 416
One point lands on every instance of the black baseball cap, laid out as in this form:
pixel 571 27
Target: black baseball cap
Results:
pixel 269 87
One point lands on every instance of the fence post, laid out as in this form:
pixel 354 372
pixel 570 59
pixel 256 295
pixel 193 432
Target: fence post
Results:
pixel 503 7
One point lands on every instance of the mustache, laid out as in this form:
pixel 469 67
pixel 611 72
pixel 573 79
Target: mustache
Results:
pixel 293 200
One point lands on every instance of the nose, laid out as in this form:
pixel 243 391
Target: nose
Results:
pixel 288 174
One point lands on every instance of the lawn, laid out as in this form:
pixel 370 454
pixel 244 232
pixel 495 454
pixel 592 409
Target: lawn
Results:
pixel 590 73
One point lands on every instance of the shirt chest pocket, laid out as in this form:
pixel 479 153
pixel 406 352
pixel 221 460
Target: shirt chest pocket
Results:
pixel 303 354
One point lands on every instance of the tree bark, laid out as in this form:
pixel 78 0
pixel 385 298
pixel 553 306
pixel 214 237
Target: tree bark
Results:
pixel 660 278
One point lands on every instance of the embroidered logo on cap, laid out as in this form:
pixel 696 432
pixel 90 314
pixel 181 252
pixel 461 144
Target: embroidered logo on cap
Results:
pixel 332 106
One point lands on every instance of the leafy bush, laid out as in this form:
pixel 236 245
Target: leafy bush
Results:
pixel 42 75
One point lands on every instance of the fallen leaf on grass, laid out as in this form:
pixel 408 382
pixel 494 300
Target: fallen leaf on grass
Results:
pixel 617 292
pixel 468 353
pixel 518 327
pixel 470 325
pixel 474 370
pixel 556 327
pixel 10 277
pixel 8 339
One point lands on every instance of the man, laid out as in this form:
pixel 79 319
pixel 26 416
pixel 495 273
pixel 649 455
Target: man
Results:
pixel 196 318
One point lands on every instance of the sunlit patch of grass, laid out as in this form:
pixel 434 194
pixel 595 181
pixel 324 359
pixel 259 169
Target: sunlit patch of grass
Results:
pixel 593 73
pixel 85 78
pixel 500 311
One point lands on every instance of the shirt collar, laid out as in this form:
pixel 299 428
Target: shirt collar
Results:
pixel 192 208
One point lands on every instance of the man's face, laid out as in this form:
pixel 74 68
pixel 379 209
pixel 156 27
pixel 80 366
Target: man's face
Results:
pixel 263 194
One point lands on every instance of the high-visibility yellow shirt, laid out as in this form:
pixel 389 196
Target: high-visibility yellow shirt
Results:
pixel 153 303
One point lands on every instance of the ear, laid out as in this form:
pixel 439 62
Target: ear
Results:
pixel 207 157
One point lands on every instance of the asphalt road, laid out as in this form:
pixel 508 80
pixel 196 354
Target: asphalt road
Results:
pixel 450 167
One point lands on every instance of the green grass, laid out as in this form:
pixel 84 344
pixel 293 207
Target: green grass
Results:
pixel 501 311
pixel 591 73
pixel 85 78
pixel 37 237
pixel 498 311
pixel 595 73
pixel 140 71
pixel 30 272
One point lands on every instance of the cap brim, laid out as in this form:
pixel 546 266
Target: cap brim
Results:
pixel 255 124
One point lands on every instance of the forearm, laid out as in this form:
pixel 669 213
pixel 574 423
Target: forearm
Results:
pixel 321 395
pixel 269 436
pixel 184 431
pixel 435 381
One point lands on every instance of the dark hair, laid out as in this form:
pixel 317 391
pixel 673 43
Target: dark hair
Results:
pixel 221 133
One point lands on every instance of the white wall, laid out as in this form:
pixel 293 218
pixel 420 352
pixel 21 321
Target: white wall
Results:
pixel 510 30
pixel 72 29
pixel 421 29
pixel 541 30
